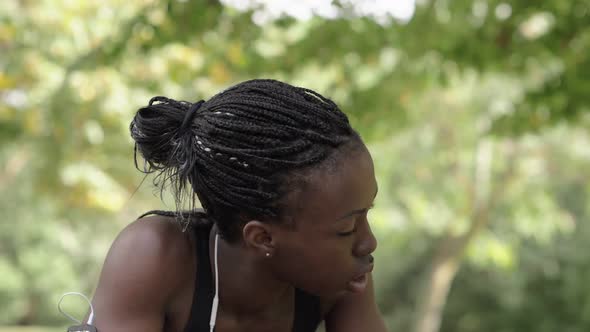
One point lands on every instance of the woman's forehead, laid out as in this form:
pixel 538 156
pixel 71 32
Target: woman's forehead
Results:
pixel 349 185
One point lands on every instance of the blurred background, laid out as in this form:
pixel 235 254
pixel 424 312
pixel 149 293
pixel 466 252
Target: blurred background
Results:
pixel 476 113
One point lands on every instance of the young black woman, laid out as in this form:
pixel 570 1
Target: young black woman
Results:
pixel 282 242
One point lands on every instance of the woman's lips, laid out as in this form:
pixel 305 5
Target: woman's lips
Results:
pixel 359 283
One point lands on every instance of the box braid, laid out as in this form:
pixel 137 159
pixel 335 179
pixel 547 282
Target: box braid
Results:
pixel 238 149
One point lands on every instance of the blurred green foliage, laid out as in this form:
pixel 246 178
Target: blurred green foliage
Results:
pixel 29 329
pixel 475 111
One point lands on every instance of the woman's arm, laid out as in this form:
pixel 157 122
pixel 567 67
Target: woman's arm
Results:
pixel 355 313
pixel 137 280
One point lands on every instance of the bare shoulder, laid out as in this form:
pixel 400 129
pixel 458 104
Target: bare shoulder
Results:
pixel 156 235
pixel 150 244
pixel 354 312
pixel 145 266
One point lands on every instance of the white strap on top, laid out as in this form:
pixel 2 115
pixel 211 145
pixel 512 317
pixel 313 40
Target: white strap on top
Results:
pixel 216 298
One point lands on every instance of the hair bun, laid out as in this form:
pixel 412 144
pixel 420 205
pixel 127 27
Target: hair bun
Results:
pixel 156 130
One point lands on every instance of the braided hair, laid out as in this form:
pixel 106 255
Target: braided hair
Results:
pixel 238 149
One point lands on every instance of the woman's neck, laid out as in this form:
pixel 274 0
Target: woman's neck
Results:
pixel 247 287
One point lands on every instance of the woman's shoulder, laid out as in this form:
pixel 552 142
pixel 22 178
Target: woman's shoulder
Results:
pixel 155 243
pixel 150 254
pixel 161 233
pixel 147 266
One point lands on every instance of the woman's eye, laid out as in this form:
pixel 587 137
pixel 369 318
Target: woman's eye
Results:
pixel 348 233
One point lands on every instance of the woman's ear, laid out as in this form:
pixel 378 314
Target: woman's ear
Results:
pixel 259 236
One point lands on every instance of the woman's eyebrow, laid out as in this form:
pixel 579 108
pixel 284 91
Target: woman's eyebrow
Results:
pixel 352 213
pixel 358 211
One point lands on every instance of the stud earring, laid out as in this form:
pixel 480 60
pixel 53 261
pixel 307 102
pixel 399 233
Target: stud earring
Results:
pixel 268 254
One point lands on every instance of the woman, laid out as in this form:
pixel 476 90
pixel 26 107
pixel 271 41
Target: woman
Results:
pixel 285 184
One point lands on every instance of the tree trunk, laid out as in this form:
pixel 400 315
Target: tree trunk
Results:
pixel 448 256
pixel 436 289
pixel 14 165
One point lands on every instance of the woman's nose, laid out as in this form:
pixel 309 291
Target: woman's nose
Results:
pixel 366 243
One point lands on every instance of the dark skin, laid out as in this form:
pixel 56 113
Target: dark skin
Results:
pixel 148 277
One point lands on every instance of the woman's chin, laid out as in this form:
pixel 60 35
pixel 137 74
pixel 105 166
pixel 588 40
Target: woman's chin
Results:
pixel 335 294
